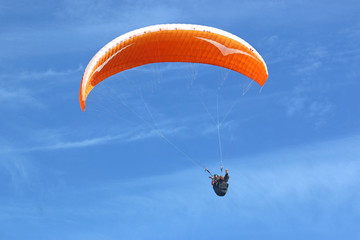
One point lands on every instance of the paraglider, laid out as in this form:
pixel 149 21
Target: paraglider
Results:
pixel 175 43
pixel 220 183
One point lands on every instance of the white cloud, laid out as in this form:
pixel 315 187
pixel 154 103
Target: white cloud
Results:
pixel 315 110
pixel 19 98
pixel 19 171
pixel 309 67
pixel 27 75
pixel 25 88
pixel 296 104
pixel 54 140
pixel 58 145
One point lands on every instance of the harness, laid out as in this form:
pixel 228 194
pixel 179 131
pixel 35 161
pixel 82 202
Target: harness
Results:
pixel 220 187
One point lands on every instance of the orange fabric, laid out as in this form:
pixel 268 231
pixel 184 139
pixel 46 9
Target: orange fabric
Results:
pixel 176 46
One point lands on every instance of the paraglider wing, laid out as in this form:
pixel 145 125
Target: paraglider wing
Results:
pixel 173 43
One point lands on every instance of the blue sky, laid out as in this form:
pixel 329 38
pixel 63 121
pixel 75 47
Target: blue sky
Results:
pixel 129 167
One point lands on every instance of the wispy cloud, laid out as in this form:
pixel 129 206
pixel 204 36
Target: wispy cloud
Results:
pixel 278 50
pixel 24 88
pixel 95 12
pixel 19 98
pixel 20 172
pixel 307 57
pixel 61 145
pixel 315 110
pixel 57 142
pixel 26 75
pixel 70 24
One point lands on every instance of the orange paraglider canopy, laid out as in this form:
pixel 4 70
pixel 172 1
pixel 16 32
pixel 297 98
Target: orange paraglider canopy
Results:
pixel 173 43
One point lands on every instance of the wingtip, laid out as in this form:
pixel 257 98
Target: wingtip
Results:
pixel 82 105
